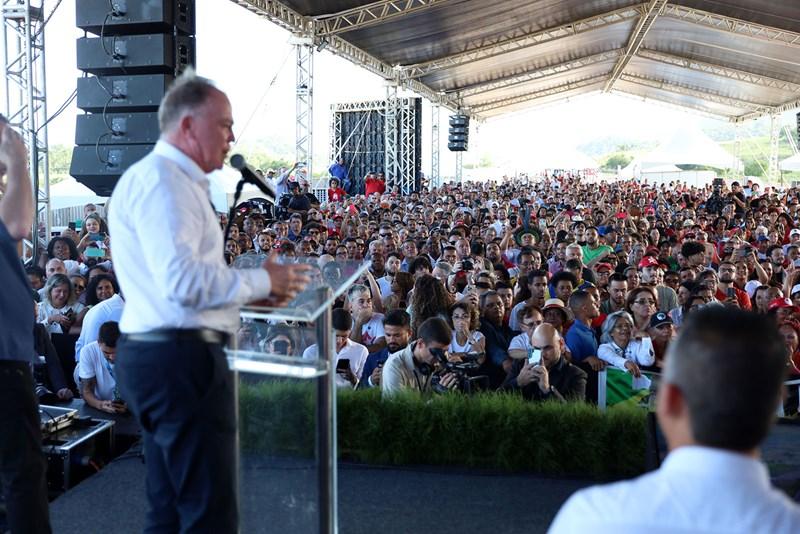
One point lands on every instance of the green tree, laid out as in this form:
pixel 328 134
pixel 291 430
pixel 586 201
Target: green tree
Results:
pixel 617 159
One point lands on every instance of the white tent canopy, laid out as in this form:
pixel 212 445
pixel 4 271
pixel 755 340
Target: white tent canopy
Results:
pixel 70 192
pixel 690 146
pixel 550 157
pixel 791 164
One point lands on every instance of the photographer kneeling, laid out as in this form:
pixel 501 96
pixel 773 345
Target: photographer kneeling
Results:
pixel 414 367
pixel 545 374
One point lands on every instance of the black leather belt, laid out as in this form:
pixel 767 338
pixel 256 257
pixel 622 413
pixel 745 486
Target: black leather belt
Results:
pixel 205 335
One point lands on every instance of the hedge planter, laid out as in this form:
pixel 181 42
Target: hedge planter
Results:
pixel 489 431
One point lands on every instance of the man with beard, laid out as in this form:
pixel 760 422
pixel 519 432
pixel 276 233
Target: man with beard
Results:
pixel 377 265
pixel 727 292
pixel 537 286
pixel 593 251
pixel 776 257
pixel 397 330
pixel 650 274
pixel 391 267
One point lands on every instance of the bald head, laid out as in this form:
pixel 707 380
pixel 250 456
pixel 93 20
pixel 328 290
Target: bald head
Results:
pixel 547 339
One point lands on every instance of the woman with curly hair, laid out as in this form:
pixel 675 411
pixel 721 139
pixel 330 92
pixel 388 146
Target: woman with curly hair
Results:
pixel 401 285
pixel 465 321
pixel 430 299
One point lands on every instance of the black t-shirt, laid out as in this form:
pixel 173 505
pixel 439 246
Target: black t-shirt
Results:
pixel 16 303
pixel 736 207
pixel 299 203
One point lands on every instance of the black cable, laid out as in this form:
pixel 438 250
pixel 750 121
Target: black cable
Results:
pixel 60 110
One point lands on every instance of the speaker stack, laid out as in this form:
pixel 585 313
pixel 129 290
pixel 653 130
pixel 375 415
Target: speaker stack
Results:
pixel 458 136
pixel 130 53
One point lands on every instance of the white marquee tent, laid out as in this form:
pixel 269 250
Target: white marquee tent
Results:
pixel 791 164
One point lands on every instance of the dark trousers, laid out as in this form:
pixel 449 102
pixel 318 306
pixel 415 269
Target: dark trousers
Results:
pixel 182 394
pixel 22 464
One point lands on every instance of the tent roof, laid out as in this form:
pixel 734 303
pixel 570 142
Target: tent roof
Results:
pixel 791 164
pixel 69 192
pixel 734 59
pixel 690 146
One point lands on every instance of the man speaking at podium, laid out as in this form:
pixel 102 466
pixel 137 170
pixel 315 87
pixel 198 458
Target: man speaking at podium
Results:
pixel 181 304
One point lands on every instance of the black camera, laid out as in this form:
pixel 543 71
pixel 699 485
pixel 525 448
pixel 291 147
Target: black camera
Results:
pixel 467 265
pixel 464 370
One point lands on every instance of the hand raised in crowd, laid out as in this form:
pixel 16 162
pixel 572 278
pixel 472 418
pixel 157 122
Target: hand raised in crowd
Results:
pixel 13 154
pixel 287 279
pixel 526 375
pixel 376 375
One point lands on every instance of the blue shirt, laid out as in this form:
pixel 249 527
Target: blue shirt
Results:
pixel 373 361
pixel 339 171
pixel 16 303
pixel 581 342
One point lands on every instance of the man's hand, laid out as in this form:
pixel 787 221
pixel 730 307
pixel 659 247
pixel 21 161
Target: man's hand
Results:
pixel 13 154
pixel 448 381
pixel 633 368
pixel 376 375
pixel 64 394
pixel 595 363
pixel 348 375
pixel 526 375
pixel 542 376
pixel 287 279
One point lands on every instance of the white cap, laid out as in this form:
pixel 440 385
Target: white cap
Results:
pixel 795 290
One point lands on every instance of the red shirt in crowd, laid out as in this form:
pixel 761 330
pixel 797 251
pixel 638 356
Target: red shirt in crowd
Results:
pixel 374 185
pixel 336 194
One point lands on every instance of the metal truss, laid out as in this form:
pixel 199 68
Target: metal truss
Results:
pixel 704 94
pixel 773 171
pixel 671 103
pixel 304 100
pixel 459 167
pixel 287 18
pixel 435 180
pixel 538 74
pixel 26 105
pixel 646 21
pixel 406 167
pixel 534 95
pixel 336 134
pixel 787 106
pixel 390 163
pixel 731 25
pixel 370 14
pixel 717 70
pixel 515 41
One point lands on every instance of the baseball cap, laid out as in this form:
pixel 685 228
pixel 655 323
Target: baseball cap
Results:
pixel 660 318
pixel 557 304
pixel 648 261
pixel 762 238
pixel 600 267
pixel 779 302
pixel 794 231
pixel 795 290
pixel 687 223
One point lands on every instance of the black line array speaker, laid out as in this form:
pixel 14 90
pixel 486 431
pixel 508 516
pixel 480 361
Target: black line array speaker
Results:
pixel 137 49
pixel 458 135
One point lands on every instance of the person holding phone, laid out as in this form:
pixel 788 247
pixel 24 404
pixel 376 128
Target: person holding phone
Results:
pixel 350 356
pixel 546 374
pixel 96 371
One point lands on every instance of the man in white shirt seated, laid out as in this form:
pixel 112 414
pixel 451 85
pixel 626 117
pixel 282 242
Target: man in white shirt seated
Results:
pixel 354 354
pixel 367 324
pixel 96 371
pixel 107 310
pixel 721 386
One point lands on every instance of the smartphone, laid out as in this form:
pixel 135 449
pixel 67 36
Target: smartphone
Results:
pixel 731 293
pixel 342 365
pixel 96 237
pixel 71 226
pixel 534 356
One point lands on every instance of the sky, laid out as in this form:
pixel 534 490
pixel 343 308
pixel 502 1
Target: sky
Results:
pixel 252 60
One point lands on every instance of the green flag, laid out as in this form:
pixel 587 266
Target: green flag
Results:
pixel 622 391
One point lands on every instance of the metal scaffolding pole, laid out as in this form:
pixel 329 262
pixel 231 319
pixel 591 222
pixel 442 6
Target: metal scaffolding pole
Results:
pixel 26 107
pixel 459 167
pixel 774 141
pixel 392 170
pixel 737 147
pixel 435 180
pixel 408 142
pixel 304 99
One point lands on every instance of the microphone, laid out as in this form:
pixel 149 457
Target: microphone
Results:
pixel 250 176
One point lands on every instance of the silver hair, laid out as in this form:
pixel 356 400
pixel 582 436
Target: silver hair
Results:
pixel 611 322
pixel 57 280
pixel 187 93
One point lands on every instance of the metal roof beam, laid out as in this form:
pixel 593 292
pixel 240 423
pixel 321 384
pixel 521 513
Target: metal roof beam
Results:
pixel 534 95
pixel 787 106
pixel 657 83
pixel 290 20
pixel 646 21
pixel 515 41
pixel 718 70
pixel 537 74
pixel 669 102
pixel 369 15
pixel 731 25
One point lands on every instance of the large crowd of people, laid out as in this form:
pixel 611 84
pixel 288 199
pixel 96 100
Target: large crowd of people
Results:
pixel 530 286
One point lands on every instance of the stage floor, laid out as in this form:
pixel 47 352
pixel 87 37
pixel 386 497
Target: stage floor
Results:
pixel 279 498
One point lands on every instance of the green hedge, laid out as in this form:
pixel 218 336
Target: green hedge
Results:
pixel 493 431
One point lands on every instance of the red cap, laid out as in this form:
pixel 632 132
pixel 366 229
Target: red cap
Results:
pixel 648 261
pixel 603 267
pixel 779 302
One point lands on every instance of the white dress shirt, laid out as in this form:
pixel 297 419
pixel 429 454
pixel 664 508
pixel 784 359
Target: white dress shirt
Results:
pixel 93 364
pixel 696 490
pixel 102 312
pixel 355 352
pixel 639 351
pixel 168 252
